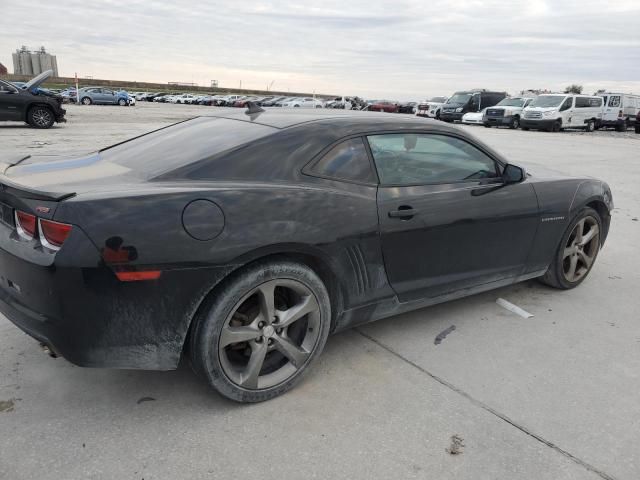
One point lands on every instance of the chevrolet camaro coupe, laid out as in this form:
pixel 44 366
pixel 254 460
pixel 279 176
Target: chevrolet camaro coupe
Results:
pixel 242 239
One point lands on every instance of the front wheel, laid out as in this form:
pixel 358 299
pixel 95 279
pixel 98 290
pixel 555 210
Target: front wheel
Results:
pixel 260 332
pixel 87 101
pixel 122 102
pixel 576 252
pixel 557 126
pixel 515 123
pixel 40 117
pixel 487 125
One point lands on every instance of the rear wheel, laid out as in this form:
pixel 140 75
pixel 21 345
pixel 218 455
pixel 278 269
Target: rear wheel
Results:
pixel 487 125
pixel 577 251
pixel 40 117
pixel 590 126
pixel 260 332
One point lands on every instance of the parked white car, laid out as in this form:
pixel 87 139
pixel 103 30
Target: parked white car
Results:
pixel 473 118
pixel 303 102
pixel 431 108
pixel 185 98
pixel 506 113
pixel 620 110
pixel 140 95
pixel 556 111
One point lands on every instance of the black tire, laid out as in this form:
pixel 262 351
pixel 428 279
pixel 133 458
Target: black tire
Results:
pixel 86 101
pixel 215 315
pixel 590 126
pixel 122 102
pixel 555 275
pixel 556 127
pixel 40 117
pixel 515 123
pixel 487 125
pixel 526 129
pixel 438 115
pixel 621 127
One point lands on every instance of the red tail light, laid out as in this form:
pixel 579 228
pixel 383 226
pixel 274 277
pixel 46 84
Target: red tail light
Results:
pixel 26 224
pixel 54 233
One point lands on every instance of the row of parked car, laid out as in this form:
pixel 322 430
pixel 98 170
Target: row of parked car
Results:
pixel 548 111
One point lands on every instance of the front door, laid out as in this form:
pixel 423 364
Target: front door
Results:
pixel 12 102
pixel 447 220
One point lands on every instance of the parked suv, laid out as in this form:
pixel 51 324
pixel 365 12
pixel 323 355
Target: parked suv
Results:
pixel 469 101
pixel 431 108
pixel 507 113
pixel 556 111
pixel 39 108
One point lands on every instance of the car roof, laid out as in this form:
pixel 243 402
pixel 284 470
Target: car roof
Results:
pixel 281 119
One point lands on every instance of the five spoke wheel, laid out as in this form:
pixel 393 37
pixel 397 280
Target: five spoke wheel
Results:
pixel 270 334
pixel 581 249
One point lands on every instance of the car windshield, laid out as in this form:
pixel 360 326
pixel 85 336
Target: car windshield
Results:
pixel 164 150
pixel 544 101
pixel 511 102
pixel 438 99
pixel 460 98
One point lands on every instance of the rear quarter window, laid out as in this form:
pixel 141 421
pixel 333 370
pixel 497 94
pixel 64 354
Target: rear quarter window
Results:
pixel 182 144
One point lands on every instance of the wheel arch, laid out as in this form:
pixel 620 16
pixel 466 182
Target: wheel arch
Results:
pixel 34 105
pixel 315 259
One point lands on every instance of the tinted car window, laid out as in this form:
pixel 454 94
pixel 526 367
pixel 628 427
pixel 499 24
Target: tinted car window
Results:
pixel 5 87
pixel 614 101
pixel 346 161
pixel 584 102
pixel 182 144
pixel 415 159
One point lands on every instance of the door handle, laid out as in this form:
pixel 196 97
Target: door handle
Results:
pixel 404 212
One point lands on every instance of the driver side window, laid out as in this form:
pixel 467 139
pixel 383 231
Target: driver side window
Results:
pixel 418 159
pixel 6 88
pixel 566 105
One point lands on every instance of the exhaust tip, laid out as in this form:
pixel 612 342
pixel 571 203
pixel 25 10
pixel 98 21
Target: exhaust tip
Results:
pixel 46 349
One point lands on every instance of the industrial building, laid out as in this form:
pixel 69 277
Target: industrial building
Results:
pixel 26 62
pixel 3 69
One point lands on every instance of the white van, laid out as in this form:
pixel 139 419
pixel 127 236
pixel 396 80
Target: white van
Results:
pixel 556 111
pixel 620 110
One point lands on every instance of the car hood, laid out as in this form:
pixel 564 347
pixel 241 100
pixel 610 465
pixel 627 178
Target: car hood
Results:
pixel 453 105
pixel 37 81
pixel 541 109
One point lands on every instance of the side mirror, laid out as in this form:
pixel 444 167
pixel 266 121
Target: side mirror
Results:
pixel 513 174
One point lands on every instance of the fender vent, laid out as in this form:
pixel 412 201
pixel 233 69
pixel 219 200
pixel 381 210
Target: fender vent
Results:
pixel 356 257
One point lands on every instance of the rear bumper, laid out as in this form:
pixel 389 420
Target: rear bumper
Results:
pixel 537 124
pixel 75 304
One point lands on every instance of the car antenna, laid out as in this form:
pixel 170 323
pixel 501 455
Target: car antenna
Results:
pixel 253 108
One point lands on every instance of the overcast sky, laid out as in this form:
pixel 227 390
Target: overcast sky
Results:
pixel 396 49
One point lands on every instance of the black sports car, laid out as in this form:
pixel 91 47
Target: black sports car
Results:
pixel 242 239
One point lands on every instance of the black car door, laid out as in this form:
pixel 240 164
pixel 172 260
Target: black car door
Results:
pixel 447 219
pixel 12 102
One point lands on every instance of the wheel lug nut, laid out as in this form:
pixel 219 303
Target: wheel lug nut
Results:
pixel 279 331
pixel 270 341
pixel 261 325
pixel 259 340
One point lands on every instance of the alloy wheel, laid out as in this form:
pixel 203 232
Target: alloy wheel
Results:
pixel 581 249
pixel 270 334
pixel 41 117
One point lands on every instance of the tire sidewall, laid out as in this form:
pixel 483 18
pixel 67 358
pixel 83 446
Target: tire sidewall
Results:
pixel 558 259
pixel 33 124
pixel 220 304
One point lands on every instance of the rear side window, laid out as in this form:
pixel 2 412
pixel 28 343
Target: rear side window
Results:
pixel 614 101
pixel 182 144
pixel 584 102
pixel 346 161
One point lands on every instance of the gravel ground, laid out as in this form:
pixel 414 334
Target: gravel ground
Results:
pixel 550 397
